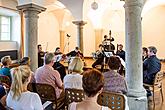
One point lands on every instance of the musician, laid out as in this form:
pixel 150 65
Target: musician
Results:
pixel 75 52
pixel 120 52
pixel 57 51
pixel 40 55
pixel 100 57
pixel 59 56
pixel 107 42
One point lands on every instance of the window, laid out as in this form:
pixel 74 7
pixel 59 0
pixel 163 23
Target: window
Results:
pixel 5 28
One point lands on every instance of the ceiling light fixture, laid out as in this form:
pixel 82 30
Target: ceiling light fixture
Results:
pixel 94 5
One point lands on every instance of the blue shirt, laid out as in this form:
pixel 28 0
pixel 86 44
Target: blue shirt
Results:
pixel 5 71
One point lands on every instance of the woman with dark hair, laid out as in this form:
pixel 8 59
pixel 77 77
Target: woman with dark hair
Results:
pixel 114 81
pixel 26 61
pixel 93 82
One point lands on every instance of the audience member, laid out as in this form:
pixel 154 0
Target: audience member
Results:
pixel 19 98
pixel 145 53
pixel 47 74
pixel 120 52
pixel 93 82
pixel 27 61
pixel 40 55
pixel 151 66
pixel 5 70
pixel 114 81
pixel 74 80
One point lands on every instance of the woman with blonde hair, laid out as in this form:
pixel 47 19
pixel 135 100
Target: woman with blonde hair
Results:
pixel 19 98
pixel 74 80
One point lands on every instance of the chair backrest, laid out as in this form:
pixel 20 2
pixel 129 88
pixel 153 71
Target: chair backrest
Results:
pixel 158 78
pixel 73 95
pixel 115 101
pixel 46 92
pixel 32 87
pixel 5 79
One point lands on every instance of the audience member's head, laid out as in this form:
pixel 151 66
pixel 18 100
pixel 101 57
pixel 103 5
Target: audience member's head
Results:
pixel 39 47
pixel 6 61
pixel 145 51
pixel 114 63
pixel 152 50
pixel 49 58
pixel 105 37
pixel 120 47
pixel 76 65
pixel 57 49
pixel 76 49
pixel 93 82
pixel 25 61
pixel 20 78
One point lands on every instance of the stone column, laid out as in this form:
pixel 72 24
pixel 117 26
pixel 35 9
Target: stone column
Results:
pixel 98 38
pixel 134 73
pixel 31 12
pixel 62 35
pixel 80 25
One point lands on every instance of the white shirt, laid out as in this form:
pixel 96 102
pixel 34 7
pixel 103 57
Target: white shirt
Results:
pixel 73 81
pixel 27 101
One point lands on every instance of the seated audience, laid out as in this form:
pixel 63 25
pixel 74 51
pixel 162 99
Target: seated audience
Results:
pixel 46 74
pixel 145 53
pixel 93 82
pixel 151 66
pixel 74 80
pixel 5 70
pixel 2 91
pixel 19 98
pixel 120 52
pixel 27 61
pixel 114 82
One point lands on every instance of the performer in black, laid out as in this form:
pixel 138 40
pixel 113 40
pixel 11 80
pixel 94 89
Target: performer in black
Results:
pixel 57 65
pixel 107 43
pixel 75 52
pixel 40 55
pixel 100 57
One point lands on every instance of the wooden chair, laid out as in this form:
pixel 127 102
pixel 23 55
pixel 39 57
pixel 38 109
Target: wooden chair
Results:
pixel 5 80
pixel 73 95
pixel 115 101
pixel 157 85
pixel 47 93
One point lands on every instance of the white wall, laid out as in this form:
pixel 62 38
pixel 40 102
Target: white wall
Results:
pixel 4 46
pixel 48 31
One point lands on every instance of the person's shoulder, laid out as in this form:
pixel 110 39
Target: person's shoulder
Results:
pixel 105 108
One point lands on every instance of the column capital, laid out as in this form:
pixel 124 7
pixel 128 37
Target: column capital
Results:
pixel 132 4
pixel 31 7
pixel 79 23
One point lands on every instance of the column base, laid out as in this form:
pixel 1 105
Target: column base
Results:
pixel 137 103
pixel 136 93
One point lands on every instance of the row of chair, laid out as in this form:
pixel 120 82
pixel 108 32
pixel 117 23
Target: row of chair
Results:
pixel 46 92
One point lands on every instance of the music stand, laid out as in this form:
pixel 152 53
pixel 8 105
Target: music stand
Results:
pixel 108 54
